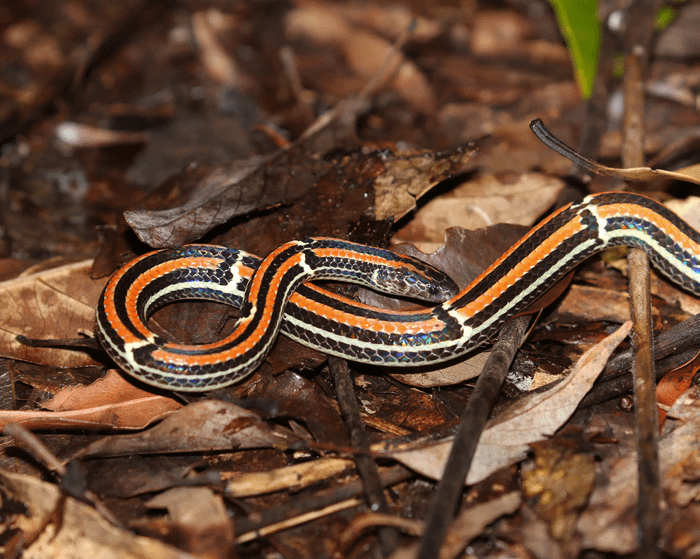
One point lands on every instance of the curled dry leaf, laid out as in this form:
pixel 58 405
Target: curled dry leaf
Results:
pixel 688 174
pixel 108 403
pixel 225 192
pixel 507 438
pixel 83 532
pixel 673 385
pixel 204 426
pixel 410 174
pixel 56 303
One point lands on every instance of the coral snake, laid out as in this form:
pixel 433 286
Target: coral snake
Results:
pixel 272 295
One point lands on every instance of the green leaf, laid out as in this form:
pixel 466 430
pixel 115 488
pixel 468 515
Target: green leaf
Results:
pixel 664 17
pixel 579 24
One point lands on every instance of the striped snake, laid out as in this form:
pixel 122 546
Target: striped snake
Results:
pixel 272 295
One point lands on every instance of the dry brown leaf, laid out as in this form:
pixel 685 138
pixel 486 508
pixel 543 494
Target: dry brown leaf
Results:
pixel 608 524
pixel 482 202
pixel 468 525
pixel 411 174
pixel 443 375
pixel 365 51
pixel 507 438
pixel 203 426
pixel 81 532
pixel 688 209
pixel 108 403
pixel 57 303
pixel 591 304
pixel 673 385
pixel 217 195
pixel 198 516
pixel 559 481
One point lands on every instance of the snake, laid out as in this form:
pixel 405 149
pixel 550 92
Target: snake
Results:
pixel 273 295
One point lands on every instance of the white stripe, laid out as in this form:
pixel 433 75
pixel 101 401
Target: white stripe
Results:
pixel 231 289
pixel 659 249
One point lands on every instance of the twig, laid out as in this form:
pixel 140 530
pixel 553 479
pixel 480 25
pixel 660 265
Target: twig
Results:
pixel 366 466
pixel 648 508
pixel 300 510
pixel 443 508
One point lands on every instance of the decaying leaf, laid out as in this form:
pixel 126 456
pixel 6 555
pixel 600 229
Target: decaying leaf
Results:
pixel 560 482
pixel 108 403
pixel 81 532
pixel 56 303
pixel 467 526
pixel 226 192
pixel 609 522
pixel 409 175
pixel 672 385
pixel 198 519
pixel 506 440
pixel 207 425
pixel 481 202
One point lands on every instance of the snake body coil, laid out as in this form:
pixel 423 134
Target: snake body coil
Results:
pixel 274 297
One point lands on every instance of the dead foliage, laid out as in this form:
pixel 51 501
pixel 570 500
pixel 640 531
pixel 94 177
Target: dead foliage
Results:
pixel 147 124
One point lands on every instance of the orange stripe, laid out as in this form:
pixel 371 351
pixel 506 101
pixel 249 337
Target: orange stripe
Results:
pixel 143 280
pixel 519 270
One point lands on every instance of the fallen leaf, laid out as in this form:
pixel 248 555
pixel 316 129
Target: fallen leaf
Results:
pixel 81 531
pixel 559 482
pixel 507 438
pixel 467 526
pixel 688 174
pixel 481 202
pixel 207 425
pixel 108 403
pixel 672 385
pixel 408 175
pixel 609 522
pixel 56 303
pixel 198 519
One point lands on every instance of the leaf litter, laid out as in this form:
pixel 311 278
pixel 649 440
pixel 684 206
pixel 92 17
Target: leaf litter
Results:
pixel 286 445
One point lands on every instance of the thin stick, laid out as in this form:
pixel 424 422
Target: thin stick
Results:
pixel 366 466
pixel 646 413
pixel 445 501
